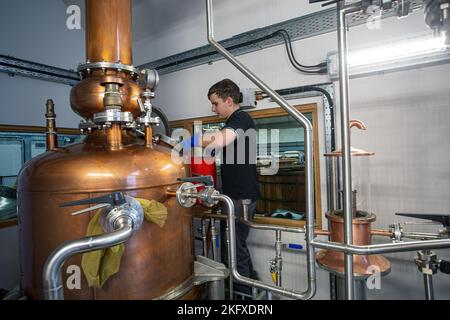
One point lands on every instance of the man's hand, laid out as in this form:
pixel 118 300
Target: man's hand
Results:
pixel 192 142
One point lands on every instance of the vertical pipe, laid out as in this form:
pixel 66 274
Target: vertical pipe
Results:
pixel 148 136
pixel 50 133
pixel 214 239
pixel 227 232
pixel 108 31
pixel 345 141
pixel 278 257
pixel 216 290
pixel 204 238
pixel 114 136
pixel 428 281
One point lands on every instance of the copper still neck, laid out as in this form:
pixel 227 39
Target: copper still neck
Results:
pixel 108 77
pixel 108 31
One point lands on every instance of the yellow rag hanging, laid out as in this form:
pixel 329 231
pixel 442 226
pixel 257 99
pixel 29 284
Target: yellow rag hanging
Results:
pixel 101 264
pixel 154 211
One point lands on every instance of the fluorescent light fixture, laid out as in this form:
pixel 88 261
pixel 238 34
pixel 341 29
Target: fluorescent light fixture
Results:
pixel 400 55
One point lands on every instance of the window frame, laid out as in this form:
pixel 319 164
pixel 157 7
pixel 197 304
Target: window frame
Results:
pixel 188 124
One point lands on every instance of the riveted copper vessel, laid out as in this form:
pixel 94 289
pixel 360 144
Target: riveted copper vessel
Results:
pixel 156 260
pixel 333 261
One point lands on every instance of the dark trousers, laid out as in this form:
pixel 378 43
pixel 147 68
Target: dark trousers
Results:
pixel 243 259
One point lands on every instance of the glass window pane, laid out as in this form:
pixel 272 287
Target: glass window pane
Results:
pixel 11 153
pixel 283 193
pixel 37 147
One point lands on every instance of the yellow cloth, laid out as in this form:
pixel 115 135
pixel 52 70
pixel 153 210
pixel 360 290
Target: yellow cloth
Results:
pixel 154 211
pixel 101 264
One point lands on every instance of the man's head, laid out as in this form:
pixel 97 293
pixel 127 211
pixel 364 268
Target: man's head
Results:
pixel 224 97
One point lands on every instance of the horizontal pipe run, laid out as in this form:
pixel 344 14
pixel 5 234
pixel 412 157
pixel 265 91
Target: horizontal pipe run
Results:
pixel 383 248
pixel 272 227
pixel 255 225
pixel 384 233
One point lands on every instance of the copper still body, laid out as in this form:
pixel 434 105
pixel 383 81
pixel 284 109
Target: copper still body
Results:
pixel 156 261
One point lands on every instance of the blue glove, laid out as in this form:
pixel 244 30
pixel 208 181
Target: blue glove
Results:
pixel 193 141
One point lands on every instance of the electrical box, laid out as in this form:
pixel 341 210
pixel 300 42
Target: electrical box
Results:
pixel 248 98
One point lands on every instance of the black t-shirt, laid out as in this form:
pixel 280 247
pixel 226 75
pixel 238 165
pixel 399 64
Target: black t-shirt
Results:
pixel 238 168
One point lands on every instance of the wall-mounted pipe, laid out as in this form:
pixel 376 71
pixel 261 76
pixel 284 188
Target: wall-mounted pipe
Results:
pixel 342 12
pixel 309 170
pixel 53 286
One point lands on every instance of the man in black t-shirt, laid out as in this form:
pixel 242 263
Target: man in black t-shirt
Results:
pixel 237 140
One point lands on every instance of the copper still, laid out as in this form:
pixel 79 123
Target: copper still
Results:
pixel 157 262
pixel 333 261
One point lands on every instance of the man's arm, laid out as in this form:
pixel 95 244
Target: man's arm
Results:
pixel 219 140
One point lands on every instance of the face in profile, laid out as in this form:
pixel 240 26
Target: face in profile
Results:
pixel 219 106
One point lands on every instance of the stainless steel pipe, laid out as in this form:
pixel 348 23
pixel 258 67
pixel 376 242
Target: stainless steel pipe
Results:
pixel 309 169
pixel 308 294
pixel 428 282
pixel 230 279
pixel 279 257
pixel 382 248
pixel 53 287
pixel 342 11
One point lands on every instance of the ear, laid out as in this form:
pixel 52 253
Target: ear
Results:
pixel 229 101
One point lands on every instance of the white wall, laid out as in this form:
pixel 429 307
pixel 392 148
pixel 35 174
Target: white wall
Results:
pixel 163 28
pixel 406 114
pixel 36 31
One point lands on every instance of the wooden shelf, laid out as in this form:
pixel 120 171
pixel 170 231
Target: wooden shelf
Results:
pixel 278 221
pixel 8 223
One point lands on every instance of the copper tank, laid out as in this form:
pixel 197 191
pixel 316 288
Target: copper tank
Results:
pixel 333 261
pixel 156 260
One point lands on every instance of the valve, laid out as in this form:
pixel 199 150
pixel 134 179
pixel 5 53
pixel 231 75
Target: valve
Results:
pixel 427 262
pixel 115 208
pixel 187 193
pixel 148 81
pixel 396 231
pixel 273 270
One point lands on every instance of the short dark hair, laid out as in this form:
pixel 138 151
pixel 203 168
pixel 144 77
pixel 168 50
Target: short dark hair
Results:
pixel 224 89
